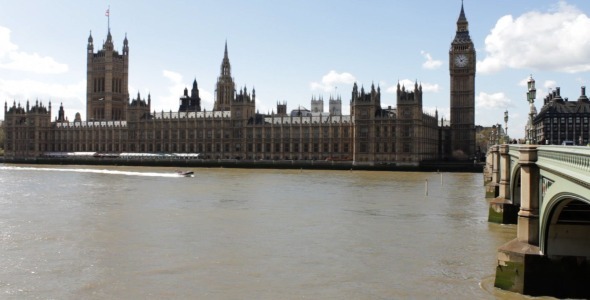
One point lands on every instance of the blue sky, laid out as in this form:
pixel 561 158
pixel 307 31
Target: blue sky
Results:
pixel 293 50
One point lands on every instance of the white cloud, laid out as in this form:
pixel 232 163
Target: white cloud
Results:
pixel 71 95
pixel 175 90
pixel 12 59
pixel 496 100
pixel 556 41
pixel 430 87
pixel 331 81
pixel 207 99
pixel 550 84
pixel 409 85
pixel 6 46
pixel 430 63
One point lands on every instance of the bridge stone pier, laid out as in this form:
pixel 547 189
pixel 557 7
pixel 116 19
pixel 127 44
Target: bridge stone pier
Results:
pixel 504 206
pixel 545 190
pixel 491 178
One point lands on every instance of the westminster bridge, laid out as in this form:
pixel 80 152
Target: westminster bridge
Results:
pixel 545 190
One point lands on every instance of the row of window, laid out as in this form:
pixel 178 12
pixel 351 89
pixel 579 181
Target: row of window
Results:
pixel 191 147
pixel 286 150
pixel 562 120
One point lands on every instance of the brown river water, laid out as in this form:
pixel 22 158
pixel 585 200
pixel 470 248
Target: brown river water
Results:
pixel 83 232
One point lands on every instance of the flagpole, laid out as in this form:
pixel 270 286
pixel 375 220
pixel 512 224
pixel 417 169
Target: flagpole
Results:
pixel 108 19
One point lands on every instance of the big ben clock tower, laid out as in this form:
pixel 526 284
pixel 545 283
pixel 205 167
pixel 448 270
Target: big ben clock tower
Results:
pixel 462 71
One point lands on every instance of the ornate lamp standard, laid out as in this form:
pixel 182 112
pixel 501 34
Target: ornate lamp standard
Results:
pixel 531 95
pixel 498 133
pixel 492 136
pixel 506 141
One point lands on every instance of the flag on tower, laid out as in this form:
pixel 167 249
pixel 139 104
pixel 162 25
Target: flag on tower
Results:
pixel 107 12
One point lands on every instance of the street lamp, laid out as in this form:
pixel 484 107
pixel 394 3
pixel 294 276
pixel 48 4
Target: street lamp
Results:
pixel 498 133
pixel 493 135
pixel 506 127
pixel 531 95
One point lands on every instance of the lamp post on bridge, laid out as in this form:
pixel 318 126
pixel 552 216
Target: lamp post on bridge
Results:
pixel 531 95
pixel 492 141
pixel 506 138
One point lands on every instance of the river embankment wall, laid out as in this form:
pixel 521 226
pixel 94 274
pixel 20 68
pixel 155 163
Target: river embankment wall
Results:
pixel 431 166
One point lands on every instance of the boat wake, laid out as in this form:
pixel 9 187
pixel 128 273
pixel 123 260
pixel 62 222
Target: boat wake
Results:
pixel 96 171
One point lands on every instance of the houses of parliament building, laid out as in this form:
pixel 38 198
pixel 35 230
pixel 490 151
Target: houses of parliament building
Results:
pixel 233 129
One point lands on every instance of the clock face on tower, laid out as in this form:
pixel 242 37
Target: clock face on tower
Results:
pixel 461 60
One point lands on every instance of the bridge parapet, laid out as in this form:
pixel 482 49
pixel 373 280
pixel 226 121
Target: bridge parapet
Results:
pixel 570 162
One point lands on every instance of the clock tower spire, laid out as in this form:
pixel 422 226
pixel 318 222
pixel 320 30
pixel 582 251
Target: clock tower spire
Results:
pixel 462 73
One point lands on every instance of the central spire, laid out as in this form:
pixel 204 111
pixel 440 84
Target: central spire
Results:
pixel 225 53
pixel 462 15
pixel 462 35
pixel 225 91
pixel 225 65
pixel 462 24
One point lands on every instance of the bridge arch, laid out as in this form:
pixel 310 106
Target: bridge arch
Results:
pixel 565 225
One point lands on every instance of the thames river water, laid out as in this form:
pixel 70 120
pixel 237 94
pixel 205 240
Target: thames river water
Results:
pixel 83 232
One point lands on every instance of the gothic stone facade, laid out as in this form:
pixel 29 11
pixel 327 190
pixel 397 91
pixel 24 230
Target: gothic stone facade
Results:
pixel 233 130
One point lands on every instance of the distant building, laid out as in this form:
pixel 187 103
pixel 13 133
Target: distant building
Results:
pixel 233 129
pixel 561 120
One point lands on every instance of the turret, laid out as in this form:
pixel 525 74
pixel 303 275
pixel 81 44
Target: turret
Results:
pixel 61 115
pixel 108 45
pixel 335 106
pixel 282 108
pixel 195 90
pixel 125 46
pixel 90 46
pixel 317 105
pixel 192 103
pixel 355 93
